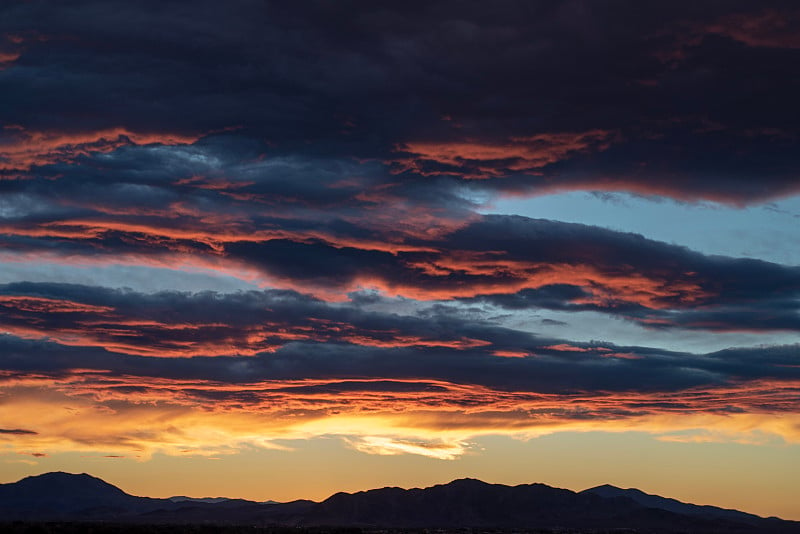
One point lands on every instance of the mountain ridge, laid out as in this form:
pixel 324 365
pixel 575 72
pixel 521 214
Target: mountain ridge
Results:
pixel 461 503
pixel 667 503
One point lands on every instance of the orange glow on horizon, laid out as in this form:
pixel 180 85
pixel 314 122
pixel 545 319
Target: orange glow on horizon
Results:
pixel 138 416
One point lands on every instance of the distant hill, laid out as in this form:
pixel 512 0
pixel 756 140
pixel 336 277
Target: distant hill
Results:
pixel 211 500
pixel 672 505
pixel 476 504
pixel 465 503
pixel 67 496
pixel 473 503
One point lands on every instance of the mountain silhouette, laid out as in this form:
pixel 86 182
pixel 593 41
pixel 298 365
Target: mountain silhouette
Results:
pixel 212 500
pixel 470 502
pixel 464 503
pixel 476 504
pixel 66 496
pixel 672 505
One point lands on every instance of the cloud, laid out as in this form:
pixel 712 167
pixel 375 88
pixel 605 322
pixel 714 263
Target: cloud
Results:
pixel 336 156
pixel 138 426
pixel 387 446
pixel 533 98
pixel 21 149
pixel 476 160
pixel 172 324
pixel 552 367
pixel 507 261
pixel 769 28
pixel 417 400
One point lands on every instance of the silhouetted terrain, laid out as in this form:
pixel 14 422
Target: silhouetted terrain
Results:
pixel 461 504
pixel 64 496
pixel 672 505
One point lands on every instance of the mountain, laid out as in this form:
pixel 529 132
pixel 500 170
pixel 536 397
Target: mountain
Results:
pixel 215 500
pixel 77 497
pixel 67 496
pixel 672 505
pixel 465 503
pixel 473 503
pixel 212 500
pixel 476 504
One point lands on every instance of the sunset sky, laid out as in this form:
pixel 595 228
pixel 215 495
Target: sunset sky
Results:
pixel 275 250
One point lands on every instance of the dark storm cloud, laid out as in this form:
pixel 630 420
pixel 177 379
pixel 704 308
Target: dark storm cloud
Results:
pixel 767 313
pixel 509 261
pixel 687 100
pixel 694 290
pixel 330 148
pixel 223 187
pixel 227 170
pixel 333 147
pixel 559 370
pixel 542 263
pixel 550 297
pixel 183 324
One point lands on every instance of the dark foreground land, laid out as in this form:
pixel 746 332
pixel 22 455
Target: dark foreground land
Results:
pixel 77 527
pixel 67 503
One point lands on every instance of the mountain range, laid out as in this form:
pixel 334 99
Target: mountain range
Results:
pixel 464 503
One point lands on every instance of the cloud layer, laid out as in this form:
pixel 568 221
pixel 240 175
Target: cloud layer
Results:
pixel 335 160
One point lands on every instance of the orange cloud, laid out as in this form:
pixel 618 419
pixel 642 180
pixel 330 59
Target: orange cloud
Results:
pixel 7 58
pixel 103 326
pixel 22 149
pixel 769 28
pixel 48 305
pixel 485 273
pixel 137 416
pixel 511 353
pixel 480 160
pixel 432 275
pixel 211 230
pixel 11 47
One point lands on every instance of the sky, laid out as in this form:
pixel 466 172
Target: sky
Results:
pixel 275 250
